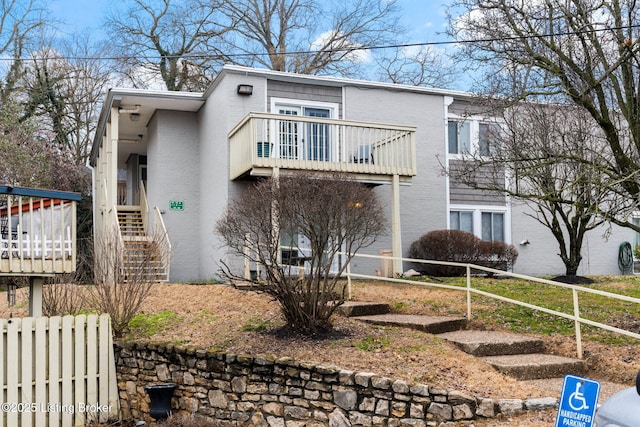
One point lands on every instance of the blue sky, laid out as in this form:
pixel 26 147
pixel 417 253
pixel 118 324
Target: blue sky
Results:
pixel 79 14
pixel 424 18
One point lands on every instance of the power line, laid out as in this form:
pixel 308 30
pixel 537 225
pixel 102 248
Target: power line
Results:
pixel 348 49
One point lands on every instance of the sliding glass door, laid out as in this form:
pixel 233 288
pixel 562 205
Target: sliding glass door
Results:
pixel 304 140
pixel 317 135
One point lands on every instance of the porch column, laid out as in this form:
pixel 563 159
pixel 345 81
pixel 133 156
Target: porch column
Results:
pixel 35 296
pixel 112 153
pixel 396 232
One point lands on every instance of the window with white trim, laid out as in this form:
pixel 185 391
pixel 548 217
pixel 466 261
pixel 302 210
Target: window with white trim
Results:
pixel 487 224
pixel 459 137
pixel 487 135
pixel 492 226
pixel 461 220
pixel 304 140
pixel 471 136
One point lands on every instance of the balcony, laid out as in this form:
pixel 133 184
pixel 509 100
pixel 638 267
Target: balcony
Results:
pixel 37 231
pixel 263 142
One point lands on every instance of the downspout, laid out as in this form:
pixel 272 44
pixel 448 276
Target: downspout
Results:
pixel 396 231
pixel 448 100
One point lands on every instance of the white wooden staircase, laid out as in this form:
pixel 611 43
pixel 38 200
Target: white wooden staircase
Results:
pixel 145 257
pixel 130 220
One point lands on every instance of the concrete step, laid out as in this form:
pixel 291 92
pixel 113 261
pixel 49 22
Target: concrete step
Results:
pixel 430 324
pixel 536 366
pixel 359 308
pixel 491 343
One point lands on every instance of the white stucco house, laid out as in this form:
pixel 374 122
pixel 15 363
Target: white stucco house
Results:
pixel 174 159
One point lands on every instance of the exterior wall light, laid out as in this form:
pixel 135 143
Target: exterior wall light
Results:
pixel 245 90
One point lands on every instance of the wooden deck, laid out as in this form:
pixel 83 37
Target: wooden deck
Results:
pixel 374 152
pixel 37 231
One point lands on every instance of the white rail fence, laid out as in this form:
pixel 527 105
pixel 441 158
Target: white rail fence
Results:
pixel 575 316
pixel 57 371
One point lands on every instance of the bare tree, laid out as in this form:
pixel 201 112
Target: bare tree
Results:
pixel 302 231
pixel 62 91
pixel 123 276
pixel 583 51
pixel 19 23
pixel 307 36
pixel 423 66
pixel 179 41
pixel 184 44
pixel 23 162
pixel 555 159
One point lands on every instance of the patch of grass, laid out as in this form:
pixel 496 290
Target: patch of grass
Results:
pixel 148 324
pixel 371 343
pixel 204 316
pixel 399 306
pixel 204 282
pixel 494 312
pixel 522 319
pixel 256 324
pixel 598 308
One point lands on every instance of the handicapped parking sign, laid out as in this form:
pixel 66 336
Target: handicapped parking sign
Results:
pixel 578 402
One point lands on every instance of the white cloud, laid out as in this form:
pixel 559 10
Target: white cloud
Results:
pixel 335 40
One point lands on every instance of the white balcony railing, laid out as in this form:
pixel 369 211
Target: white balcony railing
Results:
pixel 37 231
pixel 263 141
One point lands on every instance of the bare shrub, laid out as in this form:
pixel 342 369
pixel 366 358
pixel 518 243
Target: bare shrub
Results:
pixel 60 298
pixel 462 247
pixel 123 274
pixel 302 231
pixel 64 293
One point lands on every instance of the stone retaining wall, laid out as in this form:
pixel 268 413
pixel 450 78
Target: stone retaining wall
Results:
pixel 242 390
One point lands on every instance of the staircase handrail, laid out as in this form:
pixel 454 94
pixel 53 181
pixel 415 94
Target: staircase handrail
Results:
pixel 144 208
pixel 114 224
pixel 469 289
pixel 160 232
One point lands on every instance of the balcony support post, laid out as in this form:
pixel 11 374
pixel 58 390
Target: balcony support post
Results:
pixel 396 232
pixel 275 215
pixel 35 296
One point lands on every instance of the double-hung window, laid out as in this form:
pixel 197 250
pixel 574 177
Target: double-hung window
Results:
pixel 488 225
pixel 459 137
pixel 492 226
pixel 461 220
pixel 471 136
pixel 487 134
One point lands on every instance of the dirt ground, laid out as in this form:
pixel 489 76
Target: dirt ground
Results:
pixel 238 321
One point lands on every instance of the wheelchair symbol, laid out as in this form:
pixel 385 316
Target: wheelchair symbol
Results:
pixel 577 400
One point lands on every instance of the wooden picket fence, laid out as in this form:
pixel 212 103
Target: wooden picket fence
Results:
pixel 57 371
